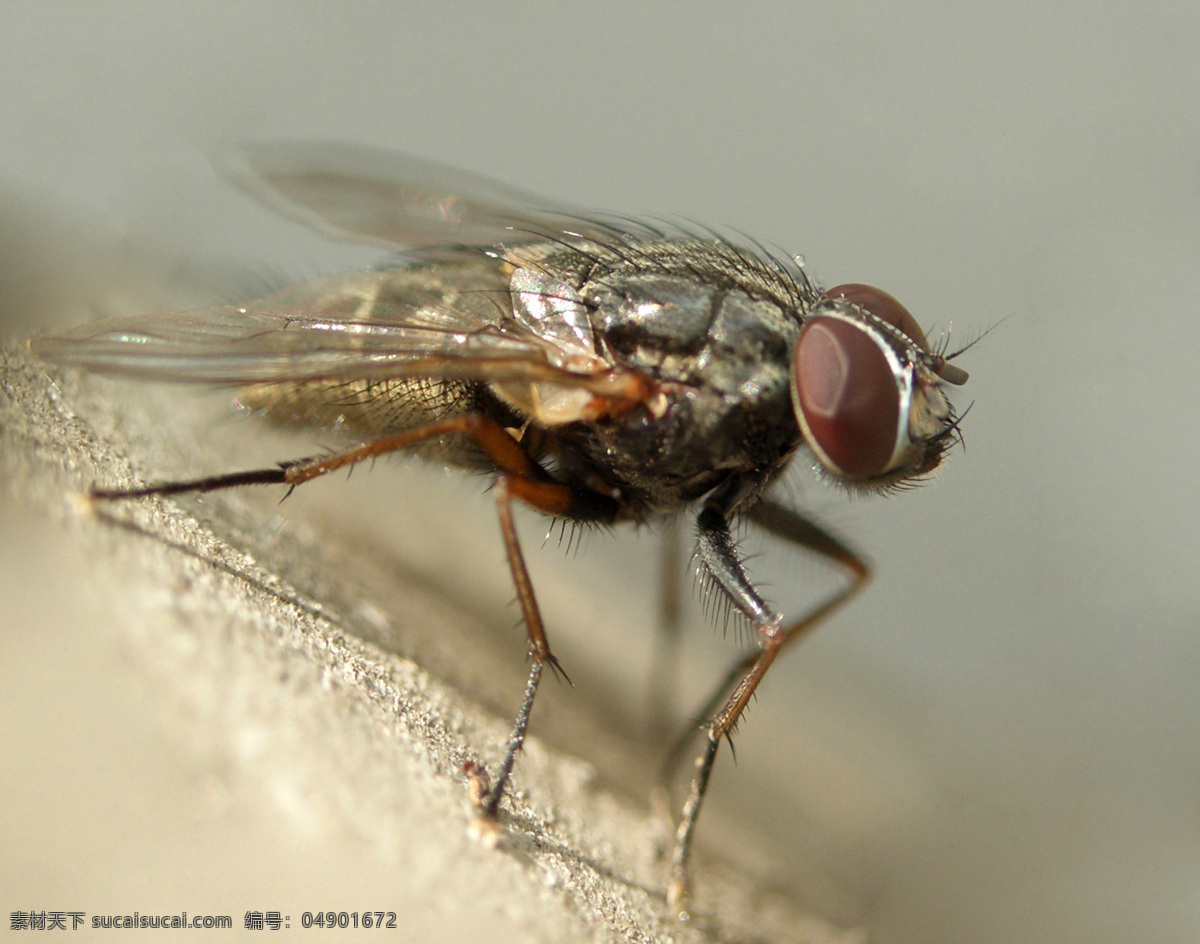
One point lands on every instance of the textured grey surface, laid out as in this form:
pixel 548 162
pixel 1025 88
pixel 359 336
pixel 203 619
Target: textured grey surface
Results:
pixel 201 731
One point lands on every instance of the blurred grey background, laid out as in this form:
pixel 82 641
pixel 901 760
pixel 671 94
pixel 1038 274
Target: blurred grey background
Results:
pixel 1000 741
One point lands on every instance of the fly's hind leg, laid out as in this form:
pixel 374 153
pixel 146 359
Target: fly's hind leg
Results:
pixel 716 551
pixel 518 476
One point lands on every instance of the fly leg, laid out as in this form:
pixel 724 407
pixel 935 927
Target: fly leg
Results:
pixel 517 476
pixel 551 498
pixel 500 447
pixel 716 551
pixel 664 661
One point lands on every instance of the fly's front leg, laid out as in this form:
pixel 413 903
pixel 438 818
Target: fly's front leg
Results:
pixel 717 554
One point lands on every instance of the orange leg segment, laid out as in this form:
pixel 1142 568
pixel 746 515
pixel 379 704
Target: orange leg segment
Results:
pixel 518 477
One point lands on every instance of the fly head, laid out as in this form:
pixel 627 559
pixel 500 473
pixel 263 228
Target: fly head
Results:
pixel 868 390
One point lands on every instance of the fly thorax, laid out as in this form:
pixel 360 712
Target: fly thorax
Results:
pixel 552 310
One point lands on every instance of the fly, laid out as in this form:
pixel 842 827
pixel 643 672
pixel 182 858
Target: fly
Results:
pixel 601 370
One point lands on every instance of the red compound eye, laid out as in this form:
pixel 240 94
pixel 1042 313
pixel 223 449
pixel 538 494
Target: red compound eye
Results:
pixel 846 394
pixel 882 306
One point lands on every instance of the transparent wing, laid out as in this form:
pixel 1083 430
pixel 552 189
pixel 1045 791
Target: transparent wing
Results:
pixel 445 321
pixel 445 313
pixel 394 200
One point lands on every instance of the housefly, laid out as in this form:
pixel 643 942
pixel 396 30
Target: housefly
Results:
pixel 602 370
